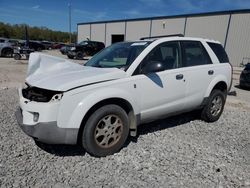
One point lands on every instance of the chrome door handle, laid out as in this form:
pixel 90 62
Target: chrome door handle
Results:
pixel 179 76
pixel 210 72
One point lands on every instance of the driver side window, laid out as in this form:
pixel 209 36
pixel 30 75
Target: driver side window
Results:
pixel 166 55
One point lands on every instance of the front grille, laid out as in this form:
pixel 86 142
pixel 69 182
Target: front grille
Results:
pixel 38 94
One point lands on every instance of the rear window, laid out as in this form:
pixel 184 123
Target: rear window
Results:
pixel 219 52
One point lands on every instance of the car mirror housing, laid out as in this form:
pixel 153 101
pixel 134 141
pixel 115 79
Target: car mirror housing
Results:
pixel 152 66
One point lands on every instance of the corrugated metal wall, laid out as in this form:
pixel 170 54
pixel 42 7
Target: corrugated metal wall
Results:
pixel 83 32
pixel 238 41
pixel 116 28
pixel 137 29
pixel 167 26
pixel 211 27
pixel 234 32
pixel 98 32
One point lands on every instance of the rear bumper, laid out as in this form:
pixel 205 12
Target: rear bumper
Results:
pixel 48 132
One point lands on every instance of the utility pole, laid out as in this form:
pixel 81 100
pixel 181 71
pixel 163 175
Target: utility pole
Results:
pixel 69 22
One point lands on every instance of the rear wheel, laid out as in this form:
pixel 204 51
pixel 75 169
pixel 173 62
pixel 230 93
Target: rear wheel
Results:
pixel 79 55
pixel 214 108
pixel 105 131
pixel 70 56
pixel 7 52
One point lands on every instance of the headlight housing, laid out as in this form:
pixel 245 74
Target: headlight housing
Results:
pixel 41 95
pixel 73 48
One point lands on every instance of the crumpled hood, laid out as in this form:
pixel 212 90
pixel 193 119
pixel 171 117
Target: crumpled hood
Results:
pixel 58 74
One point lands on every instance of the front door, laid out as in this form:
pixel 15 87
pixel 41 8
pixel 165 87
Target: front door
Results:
pixel 161 92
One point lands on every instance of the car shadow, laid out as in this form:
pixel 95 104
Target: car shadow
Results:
pixel 156 79
pixel 242 88
pixel 153 127
pixel 166 123
pixel 62 150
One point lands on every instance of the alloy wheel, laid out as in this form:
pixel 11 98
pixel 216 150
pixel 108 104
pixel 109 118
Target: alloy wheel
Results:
pixel 108 131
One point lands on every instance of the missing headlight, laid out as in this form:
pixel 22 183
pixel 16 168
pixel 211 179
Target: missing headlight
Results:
pixel 41 95
pixel 57 97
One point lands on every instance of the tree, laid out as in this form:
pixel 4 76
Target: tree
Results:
pixel 17 31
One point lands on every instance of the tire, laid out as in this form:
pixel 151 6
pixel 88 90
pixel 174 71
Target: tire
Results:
pixel 17 56
pixel 7 52
pixel 214 107
pixel 79 55
pixel 70 56
pixel 105 131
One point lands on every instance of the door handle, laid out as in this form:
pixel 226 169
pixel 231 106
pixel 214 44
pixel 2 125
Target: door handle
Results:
pixel 210 72
pixel 179 76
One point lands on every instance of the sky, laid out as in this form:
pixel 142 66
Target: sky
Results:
pixel 54 14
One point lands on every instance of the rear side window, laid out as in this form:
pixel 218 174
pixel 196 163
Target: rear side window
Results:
pixel 193 54
pixel 219 52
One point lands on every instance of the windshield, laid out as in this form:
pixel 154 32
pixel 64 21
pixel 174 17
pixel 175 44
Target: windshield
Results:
pixel 83 43
pixel 118 55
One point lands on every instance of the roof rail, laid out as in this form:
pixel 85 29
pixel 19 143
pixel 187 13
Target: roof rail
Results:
pixel 160 36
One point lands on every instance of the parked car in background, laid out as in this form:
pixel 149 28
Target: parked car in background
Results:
pixel 37 46
pixel 7 47
pixel 85 48
pixel 48 45
pixel 64 50
pixel 58 45
pixel 100 103
pixel 245 77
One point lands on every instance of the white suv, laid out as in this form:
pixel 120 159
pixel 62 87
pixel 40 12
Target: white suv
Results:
pixel 126 84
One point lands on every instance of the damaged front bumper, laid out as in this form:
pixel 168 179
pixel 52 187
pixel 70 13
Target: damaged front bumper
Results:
pixel 38 120
pixel 48 132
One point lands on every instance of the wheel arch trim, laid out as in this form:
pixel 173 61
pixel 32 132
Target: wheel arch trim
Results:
pixel 89 101
pixel 217 80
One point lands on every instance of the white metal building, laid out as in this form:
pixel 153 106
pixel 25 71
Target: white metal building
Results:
pixel 231 28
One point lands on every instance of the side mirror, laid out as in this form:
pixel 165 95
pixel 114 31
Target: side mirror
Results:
pixel 152 66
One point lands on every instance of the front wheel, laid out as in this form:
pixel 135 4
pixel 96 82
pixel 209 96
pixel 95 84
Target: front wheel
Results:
pixel 79 55
pixel 17 56
pixel 70 56
pixel 105 131
pixel 214 107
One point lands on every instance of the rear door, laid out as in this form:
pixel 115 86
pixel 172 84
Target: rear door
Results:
pixel 199 71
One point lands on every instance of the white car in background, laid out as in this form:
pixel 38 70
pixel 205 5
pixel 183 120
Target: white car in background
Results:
pixel 98 104
pixel 7 46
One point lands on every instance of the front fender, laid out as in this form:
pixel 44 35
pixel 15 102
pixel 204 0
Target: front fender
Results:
pixel 74 108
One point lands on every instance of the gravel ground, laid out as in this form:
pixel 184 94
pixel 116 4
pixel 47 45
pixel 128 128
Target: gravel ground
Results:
pixel 181 151
pixel 176 152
